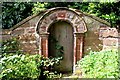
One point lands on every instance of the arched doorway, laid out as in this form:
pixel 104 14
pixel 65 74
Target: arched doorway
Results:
pixel 60 43
pixel 78 29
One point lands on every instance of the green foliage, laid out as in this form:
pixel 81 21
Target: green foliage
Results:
pixel 52 75
pixel 49 62
pixel 28 67
pixel 10 46
pixel 103 64
pixel 108 11
pixel 38 7
pixel 20 67
pixel 46 66
pixel 14 12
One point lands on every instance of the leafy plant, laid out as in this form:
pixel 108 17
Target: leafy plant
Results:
pixel 10 46
pixel 103 64
pixel 20 67
pixel 38 7
pixel 14 12
pixel 46 66
pixel 28 66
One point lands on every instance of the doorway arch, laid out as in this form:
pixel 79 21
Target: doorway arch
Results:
pixel 62 14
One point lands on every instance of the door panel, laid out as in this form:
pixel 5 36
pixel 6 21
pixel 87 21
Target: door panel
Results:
pixel 61 36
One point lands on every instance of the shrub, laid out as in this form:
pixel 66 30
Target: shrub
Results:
pixel 103 64
pixel 20 67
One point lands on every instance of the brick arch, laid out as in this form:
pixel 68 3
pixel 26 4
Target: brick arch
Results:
pixel 63 14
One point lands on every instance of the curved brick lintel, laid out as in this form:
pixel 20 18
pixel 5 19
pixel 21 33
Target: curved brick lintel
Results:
pixel 63 14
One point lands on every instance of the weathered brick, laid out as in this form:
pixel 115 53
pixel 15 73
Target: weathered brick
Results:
pixel 109 47
pixel 43 40
pixel 29 30
pixel 27 37
pixel 53 16
pixel 27 24
pixel 18 31
pixel 109 32
pixel 110 42
pixel 5 31
pixel 95 29
pixel 61 14
pixel 5 37
pixel 29 47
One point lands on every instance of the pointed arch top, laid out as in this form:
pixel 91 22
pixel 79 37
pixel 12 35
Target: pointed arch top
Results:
pixel 64 14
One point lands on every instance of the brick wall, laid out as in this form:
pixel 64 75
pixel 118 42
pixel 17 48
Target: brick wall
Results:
pixel 25 32
pixel 96 38
pixel 91 40
pixel 110 37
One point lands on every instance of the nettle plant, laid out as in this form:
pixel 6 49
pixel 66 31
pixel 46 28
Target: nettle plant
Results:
pixel 103 64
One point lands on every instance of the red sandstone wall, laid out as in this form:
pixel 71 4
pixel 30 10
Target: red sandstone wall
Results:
pixel 110 37
pixel 99 36
pixel 25 33
pixel 91 40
